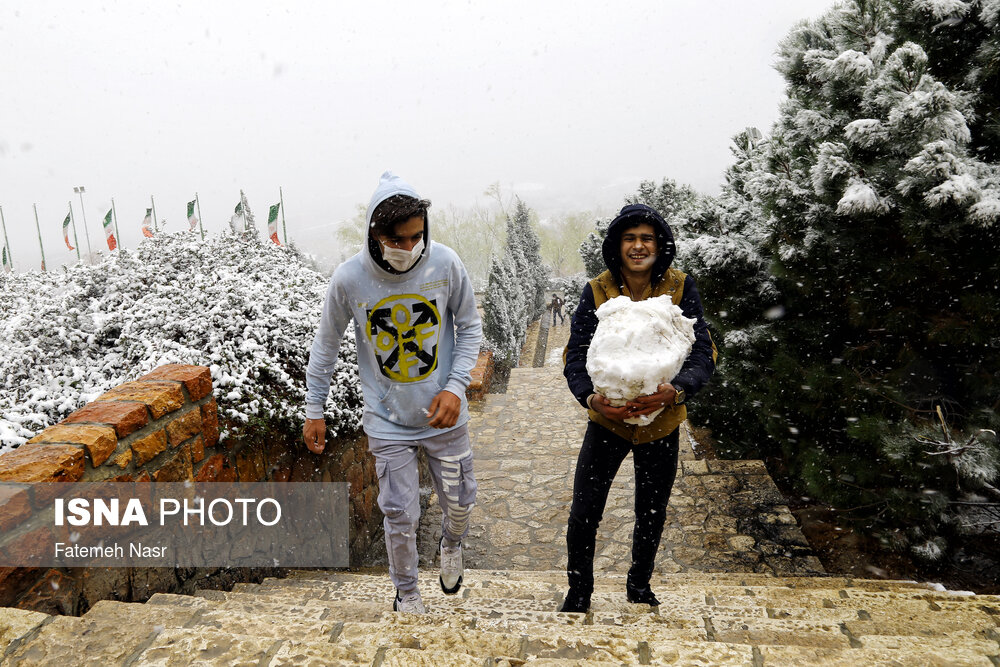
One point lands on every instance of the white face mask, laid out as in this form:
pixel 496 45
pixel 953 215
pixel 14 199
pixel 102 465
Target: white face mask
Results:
pixel 400 259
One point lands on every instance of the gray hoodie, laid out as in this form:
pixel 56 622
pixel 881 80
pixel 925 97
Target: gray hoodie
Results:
pixel 417 333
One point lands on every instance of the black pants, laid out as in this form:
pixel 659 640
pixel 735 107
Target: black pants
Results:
pixel 600 457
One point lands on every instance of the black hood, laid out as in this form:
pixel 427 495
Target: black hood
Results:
pixel 629 217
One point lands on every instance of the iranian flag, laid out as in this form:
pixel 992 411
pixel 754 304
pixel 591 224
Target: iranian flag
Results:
pixel 7 268
pixel 109 231
pixel 192 218
pixel 147 230
pixel 66 232
pixel 272 223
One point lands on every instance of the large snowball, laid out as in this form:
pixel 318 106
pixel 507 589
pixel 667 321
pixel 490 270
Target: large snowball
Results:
pixel 637 346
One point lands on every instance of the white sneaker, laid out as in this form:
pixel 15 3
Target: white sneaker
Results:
pixel 452 567
pixel 409 603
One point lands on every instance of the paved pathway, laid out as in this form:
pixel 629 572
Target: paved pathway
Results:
pixel 724 516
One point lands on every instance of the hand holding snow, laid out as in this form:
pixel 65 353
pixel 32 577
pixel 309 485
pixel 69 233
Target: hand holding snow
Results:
pixel 637 346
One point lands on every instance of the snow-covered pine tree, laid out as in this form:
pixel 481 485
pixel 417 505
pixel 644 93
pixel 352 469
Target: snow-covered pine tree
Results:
pixel 732 269
pixel 590 249
pixel 536 278
pixel 674 202
pixel 880 195
pixel 504 309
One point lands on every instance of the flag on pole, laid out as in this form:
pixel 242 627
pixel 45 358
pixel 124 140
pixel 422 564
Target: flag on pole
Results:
pixel 192 218
pixel 7 268
pixel 66 232
pixel 147 230
pixel 109 231
pixel 237 213
pixel 272 223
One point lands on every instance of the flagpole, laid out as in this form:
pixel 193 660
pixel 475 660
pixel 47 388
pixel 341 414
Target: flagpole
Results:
pixel 243 210
pixel 6 243
pixel 39 228
pixel 83 211
pixel 155 228
pixel 284 227
pixel 201 223
pixel 76 242
pixel 114 216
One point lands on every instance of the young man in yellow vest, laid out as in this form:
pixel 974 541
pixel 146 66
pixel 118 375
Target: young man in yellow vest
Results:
pixel 638 251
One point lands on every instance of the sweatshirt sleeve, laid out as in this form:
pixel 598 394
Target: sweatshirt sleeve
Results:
pixel 581 332
pixel 468 330
pixel 325 348
pixel 700 364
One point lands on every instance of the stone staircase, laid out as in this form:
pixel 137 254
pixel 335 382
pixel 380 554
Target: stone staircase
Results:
pixel 509 618
pixel 739 584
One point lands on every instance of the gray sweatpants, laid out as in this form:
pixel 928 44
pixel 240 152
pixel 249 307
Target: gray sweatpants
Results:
pixel 450 460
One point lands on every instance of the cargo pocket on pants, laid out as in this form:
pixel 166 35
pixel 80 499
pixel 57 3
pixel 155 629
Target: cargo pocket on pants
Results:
pixel 467 486
pixel 388 501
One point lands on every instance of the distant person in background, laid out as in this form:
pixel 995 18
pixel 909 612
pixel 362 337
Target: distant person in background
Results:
pixel 638 251
pixel 557 306
pixel 418 335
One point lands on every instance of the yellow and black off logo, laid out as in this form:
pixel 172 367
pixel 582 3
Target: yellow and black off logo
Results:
pixel 403 329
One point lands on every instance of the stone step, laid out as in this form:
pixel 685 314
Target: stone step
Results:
pixel 485 578
pixel 16 623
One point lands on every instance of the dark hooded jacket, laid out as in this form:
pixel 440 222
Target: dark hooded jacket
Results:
pixel 700 364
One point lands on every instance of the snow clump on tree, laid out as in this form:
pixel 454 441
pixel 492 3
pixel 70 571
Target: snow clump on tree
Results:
pixel 637 346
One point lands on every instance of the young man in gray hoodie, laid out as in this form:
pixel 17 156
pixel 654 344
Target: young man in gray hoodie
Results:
pixel 418 335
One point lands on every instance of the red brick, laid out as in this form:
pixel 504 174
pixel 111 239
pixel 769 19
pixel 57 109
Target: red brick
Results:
pixel 54 593
pixel 160 397
pixel 13 580
pixel 42 463
pixel 197 379
pixel 28 548
pixel 184 426
pixel 227 474
pixel 148 447
pixel 124 417
pixel 197 449
pixel 15 505
pixel 210 469
pixel 177 469
pixel 355 477
pixel 210 423
pixel 99 441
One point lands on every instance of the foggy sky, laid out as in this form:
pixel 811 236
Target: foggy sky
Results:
pixel 568 104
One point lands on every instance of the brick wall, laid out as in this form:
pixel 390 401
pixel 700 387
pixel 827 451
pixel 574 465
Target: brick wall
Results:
pixel 163 427
pixel 482 374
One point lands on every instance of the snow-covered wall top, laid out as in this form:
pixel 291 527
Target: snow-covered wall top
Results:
pixel 247 309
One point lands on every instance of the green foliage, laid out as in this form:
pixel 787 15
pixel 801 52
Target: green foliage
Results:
pixel 845 266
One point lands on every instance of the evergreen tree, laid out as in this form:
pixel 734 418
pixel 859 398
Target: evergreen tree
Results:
pixel 590 249
pixel 504 309
pixel 535 278
pixel 876 202
pixel 672 201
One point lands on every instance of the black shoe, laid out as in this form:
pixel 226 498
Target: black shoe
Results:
pixel 642 595
pixel 575 603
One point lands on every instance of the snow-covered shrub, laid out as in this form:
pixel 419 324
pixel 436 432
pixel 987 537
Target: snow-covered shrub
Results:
pixel 247 309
